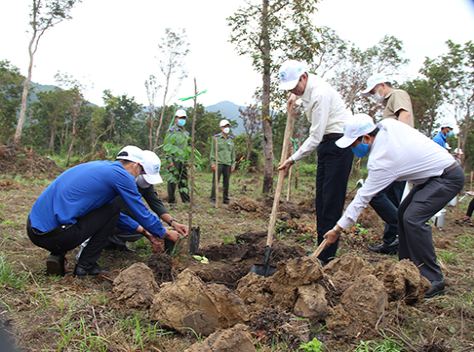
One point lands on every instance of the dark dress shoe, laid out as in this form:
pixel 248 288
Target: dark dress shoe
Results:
pixel 384 248
pixel 437 288
pixel 55 265
pixel 95 270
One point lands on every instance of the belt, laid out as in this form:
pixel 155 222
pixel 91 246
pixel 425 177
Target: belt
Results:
pixel 451 167
pixel 331 136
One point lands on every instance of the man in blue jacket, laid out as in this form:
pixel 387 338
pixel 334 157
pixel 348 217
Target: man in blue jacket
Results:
pixel 445 132
pixel 78 205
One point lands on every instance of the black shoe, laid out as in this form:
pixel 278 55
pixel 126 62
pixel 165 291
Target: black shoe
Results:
pixel 119 247
pixel 437 288
pixel 226 201
pixel 55 265
pixel 95 270
pixel 383 248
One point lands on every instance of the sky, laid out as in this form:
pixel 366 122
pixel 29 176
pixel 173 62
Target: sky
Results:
pixel 112 44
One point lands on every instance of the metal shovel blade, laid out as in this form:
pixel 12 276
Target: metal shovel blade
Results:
pixel 194 238
pixel 264 269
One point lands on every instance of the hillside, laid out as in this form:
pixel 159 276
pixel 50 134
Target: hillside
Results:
pixel 231 112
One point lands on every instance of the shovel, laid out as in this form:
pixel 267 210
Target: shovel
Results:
pixel 266 269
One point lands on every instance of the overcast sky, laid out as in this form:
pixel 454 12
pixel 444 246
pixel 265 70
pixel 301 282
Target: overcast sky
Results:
pixel 112 44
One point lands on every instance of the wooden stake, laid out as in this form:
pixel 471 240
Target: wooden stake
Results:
pixel 191 161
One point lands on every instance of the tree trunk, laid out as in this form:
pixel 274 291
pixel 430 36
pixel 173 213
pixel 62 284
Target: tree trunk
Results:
pixel 24 95
pixel 163 108
pixel 76 109
pixel 191 161
pixel 150 129
pixel 266 118
pixel 52 137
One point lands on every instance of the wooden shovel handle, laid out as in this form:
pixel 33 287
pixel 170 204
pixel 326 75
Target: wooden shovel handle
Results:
pixel 281 176
pixel 320 248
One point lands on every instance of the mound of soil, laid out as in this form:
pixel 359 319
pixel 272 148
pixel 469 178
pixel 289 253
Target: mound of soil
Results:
pixel 273 324
pixel 22 161
pixel 161 265
pixel 135 286
pixel 402 280
pixel 361 307
pixel 190 303
pixel 235 339
pixel 344 270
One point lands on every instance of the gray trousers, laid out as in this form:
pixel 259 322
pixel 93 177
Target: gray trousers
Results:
pixel 424 201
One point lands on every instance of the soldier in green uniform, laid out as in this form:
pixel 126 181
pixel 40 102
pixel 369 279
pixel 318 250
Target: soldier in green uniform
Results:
pixel 177 151
pixel 226 159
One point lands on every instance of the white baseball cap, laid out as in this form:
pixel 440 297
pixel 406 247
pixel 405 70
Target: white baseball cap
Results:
pixel 354 128
pixel 131 153
pixel 373 80
pixel 446 123
pixel 180 113
pixel 290 73
pixel 224 123
pixel 151 165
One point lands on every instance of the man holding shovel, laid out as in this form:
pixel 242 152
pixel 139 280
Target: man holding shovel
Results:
pixel 327 113
pixel 398 152
pixel 225 163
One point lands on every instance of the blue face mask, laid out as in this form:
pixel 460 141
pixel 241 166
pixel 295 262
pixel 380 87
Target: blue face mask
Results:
pixel 181 122
pixel 450 134
pixel 360 150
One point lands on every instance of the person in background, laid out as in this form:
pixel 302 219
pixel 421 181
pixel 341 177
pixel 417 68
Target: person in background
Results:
pixel 78 205
pixel 226 159
pixel 145 185
pixel 179 138
pixel 399 152
pixel 327 113
pixel 446 130
pixel 469 211
pixel 397 105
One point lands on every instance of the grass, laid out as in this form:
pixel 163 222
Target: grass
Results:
pixel 447 257
pixel 9 278
pixel 386 345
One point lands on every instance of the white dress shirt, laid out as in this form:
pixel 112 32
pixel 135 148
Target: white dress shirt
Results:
pixel 399 153
pixel 325 110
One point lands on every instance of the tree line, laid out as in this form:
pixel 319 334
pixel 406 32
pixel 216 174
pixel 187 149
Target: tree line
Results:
pixel 62 121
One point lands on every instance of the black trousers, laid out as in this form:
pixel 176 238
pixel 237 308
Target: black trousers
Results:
pixel 334 167
pixel 225 171
pixel 97 225
pixel 181 173
pixel 386 205
pixel 424 201
pixel 470 208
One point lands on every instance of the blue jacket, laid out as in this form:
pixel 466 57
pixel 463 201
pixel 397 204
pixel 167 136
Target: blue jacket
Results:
pixel 86 187
pixel 440 138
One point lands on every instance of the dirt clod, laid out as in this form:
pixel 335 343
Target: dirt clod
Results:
pixel 190 303
pixel 362 305
pixel 311 302
pixel 135 286
pixel 235 339
pixel 402 280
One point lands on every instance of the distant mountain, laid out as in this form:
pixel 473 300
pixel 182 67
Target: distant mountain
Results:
pixel 39 88
pixel 231 112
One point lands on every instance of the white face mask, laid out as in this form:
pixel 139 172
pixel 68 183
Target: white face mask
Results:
pixel 141 182
pixel 226 130
pixel 379 98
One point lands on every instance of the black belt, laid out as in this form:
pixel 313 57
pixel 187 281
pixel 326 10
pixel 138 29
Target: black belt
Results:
pixel 451 167
pixel 331 136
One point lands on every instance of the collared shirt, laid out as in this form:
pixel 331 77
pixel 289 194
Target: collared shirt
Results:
pixel 325 110
pixel 86 187
pixel 395 101
pixel 225 149
pixel 440 138
pixel 399 153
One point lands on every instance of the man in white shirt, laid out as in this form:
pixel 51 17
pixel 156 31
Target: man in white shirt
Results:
pixel 397 105
pixel 398 152
pixel 327 113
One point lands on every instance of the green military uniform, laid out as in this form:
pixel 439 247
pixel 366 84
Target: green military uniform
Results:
pixel 225 162
pixel 176 149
